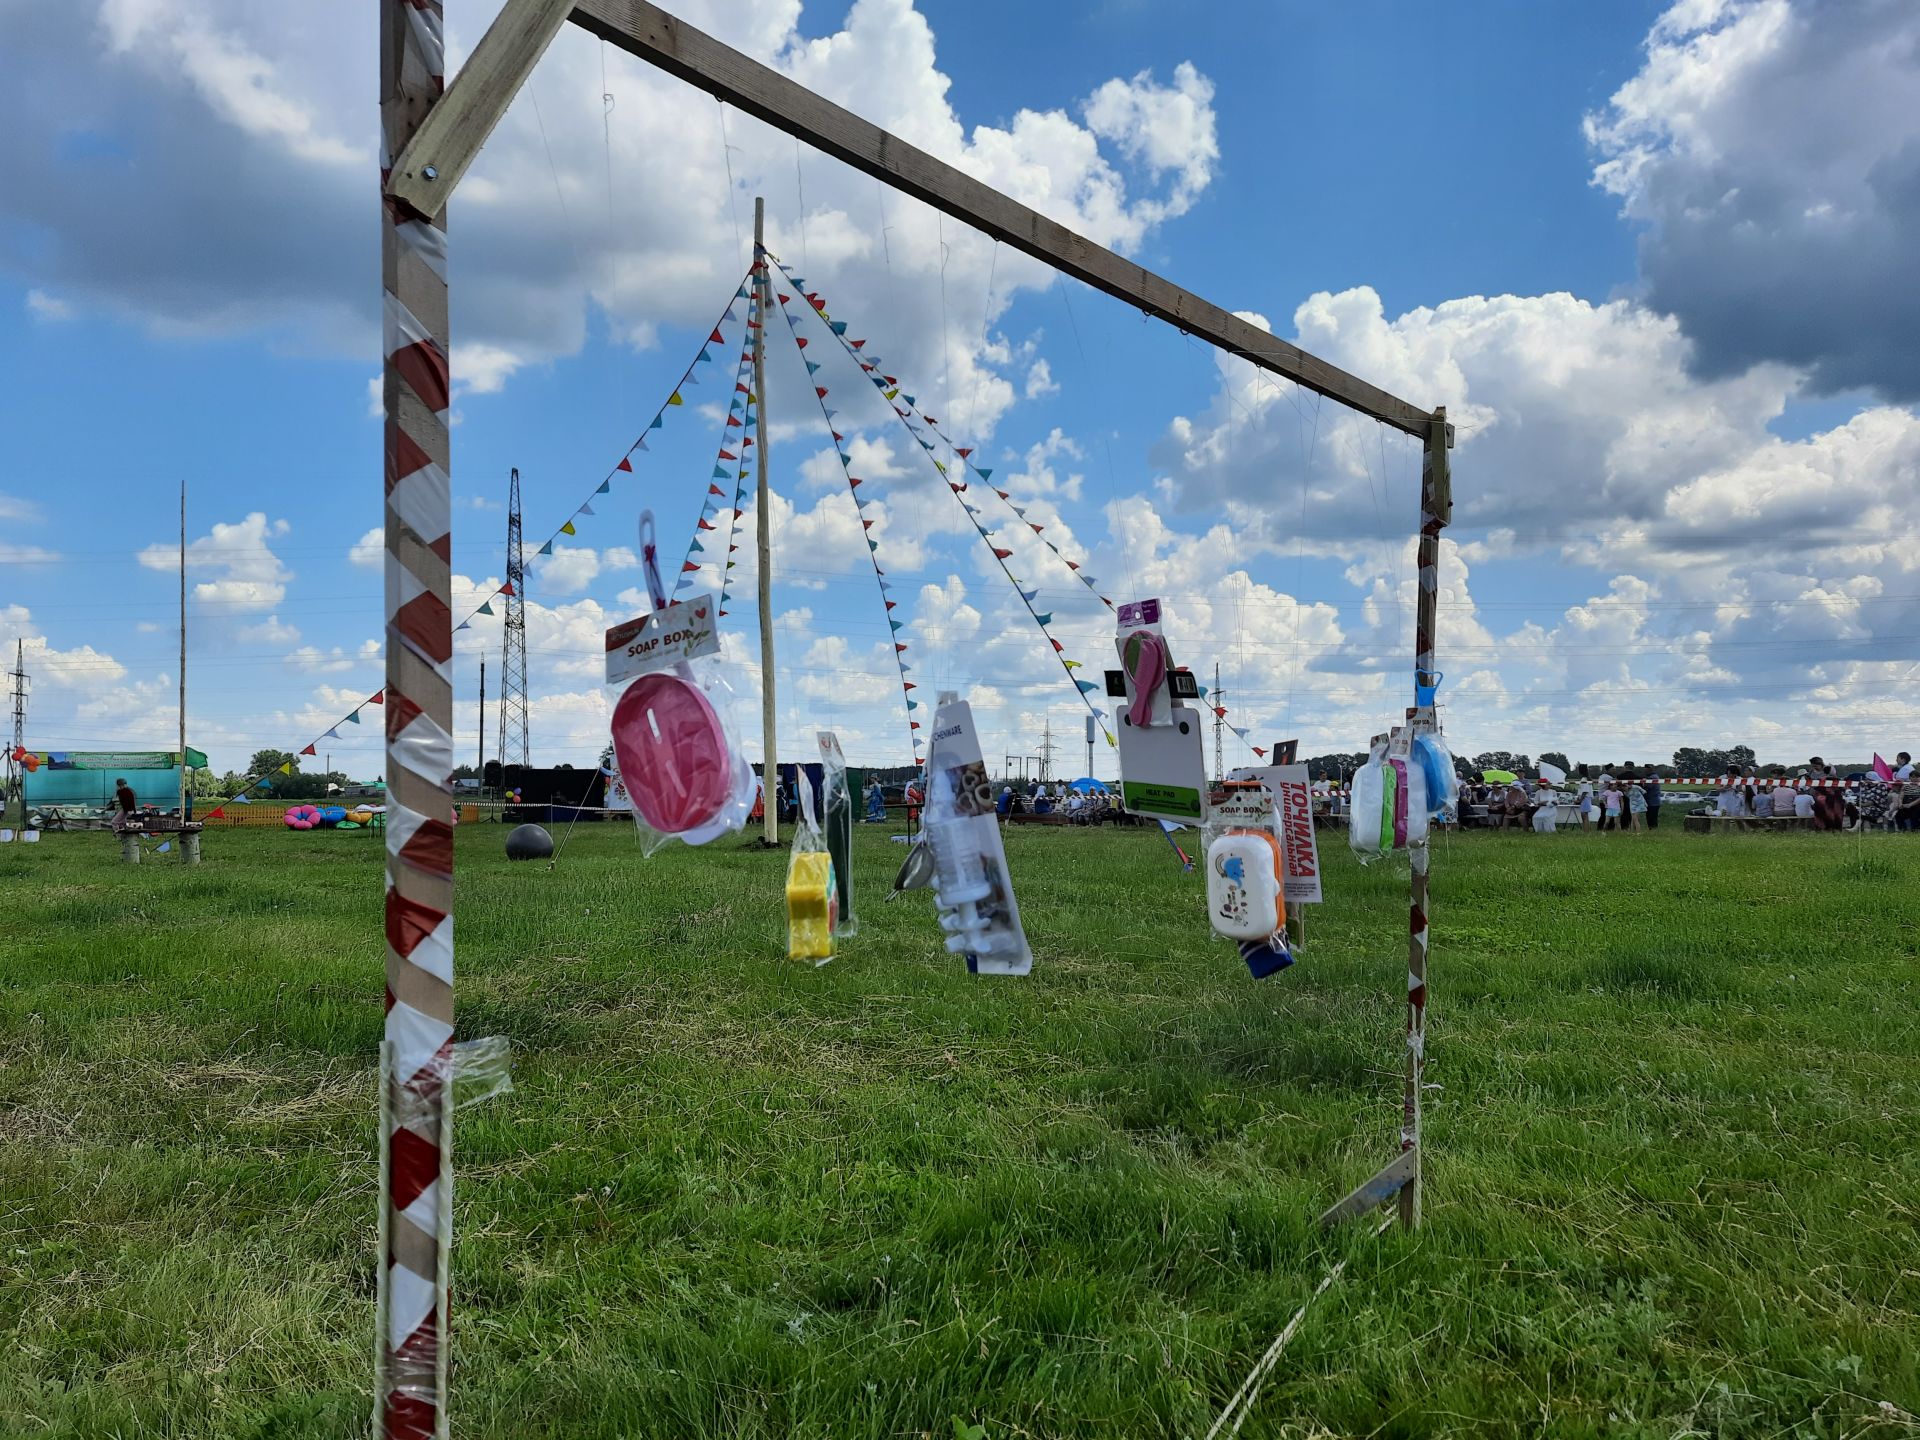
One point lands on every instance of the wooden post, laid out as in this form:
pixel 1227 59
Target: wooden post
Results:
pixel 1436 509
pixel 130 846
pixel 417 1052
pixel 769 312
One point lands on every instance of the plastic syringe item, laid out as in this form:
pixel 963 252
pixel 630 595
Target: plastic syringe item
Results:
pixel 959 872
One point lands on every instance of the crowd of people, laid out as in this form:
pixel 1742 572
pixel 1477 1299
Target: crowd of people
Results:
pixel 1631 801
pixel 1878 801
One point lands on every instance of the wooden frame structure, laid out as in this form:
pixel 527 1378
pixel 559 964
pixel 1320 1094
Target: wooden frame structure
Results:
pixel 431 134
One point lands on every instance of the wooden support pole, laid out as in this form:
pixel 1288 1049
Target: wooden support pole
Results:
pixel 1436 509
pixel 417 1052
pixel 647 31
pixel 763 532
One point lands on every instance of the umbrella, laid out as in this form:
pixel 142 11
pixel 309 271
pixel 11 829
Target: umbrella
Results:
pixel 1553 773
pixel 1498 777
pixel 1087 785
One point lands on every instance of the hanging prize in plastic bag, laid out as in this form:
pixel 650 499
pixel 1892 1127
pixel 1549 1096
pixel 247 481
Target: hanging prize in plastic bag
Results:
pixel 1246 877
pixel 1390 808
pixel 675 750
pixel 1163 767
pixel 836 805
pixel 970 881
pixel 813 900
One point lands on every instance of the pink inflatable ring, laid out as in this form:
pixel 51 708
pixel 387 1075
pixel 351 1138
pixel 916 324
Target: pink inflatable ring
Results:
pixel 302 817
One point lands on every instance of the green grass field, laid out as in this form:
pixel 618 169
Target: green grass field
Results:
pixel 1672 1178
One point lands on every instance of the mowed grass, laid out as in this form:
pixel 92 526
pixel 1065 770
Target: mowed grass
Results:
pixel 1674 1145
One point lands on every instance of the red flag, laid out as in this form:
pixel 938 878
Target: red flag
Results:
pixel 821 391
pixel 868 525
pixel 1036 528
pixel 892 603
pixel 717 337
pixel 856 344
pixel 706 525
pixel 734 421
pixel 725 456
pixel 625 464
pixel 307 751
pixel 1058 648
pixel 1221 711
pixel 687 567
pixel 1072 565
pixel 1261 751
pixel 716 490
pixel 897 648
pixel 908 685
pixel 217 812
pixel 507 589
pixel 854 481
pixel 379 697
pixel 801 341
pixel 963 454
pixel 1003 554
pixel 916 725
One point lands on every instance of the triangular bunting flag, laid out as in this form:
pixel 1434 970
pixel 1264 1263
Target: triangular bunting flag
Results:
pixel 308 751
pixel 567 529
pixel 546 549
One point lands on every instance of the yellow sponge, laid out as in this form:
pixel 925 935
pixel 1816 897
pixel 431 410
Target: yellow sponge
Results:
pixel 813 906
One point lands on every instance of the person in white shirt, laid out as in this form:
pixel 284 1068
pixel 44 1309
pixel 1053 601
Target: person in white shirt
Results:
pixel 1733 803
pixel 1802 805
pixel 1903 767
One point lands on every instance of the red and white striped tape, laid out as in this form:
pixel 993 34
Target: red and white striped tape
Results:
pixel 419 715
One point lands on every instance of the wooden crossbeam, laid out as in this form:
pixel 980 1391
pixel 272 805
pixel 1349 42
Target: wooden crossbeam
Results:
pixel 648 32
pixel 447 141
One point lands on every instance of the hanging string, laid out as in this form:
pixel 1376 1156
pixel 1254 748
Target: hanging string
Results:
pixel 800 191
pixel 1113 489
pixel 733 209
pixel 606 138
pixel 888 603
pixel 559 195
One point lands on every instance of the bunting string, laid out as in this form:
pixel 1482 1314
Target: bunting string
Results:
pixel 854 482
pixel 1028 597
pixel 254 782
pixel 907 409
pixel 624 466
pixel 742 421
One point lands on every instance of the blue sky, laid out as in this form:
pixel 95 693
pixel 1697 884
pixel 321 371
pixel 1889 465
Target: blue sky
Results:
pixel 1684 463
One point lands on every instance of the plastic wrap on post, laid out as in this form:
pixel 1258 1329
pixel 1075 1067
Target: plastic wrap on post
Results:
pixel 410 1357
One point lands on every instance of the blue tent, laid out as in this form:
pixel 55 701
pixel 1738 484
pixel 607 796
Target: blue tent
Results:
pixel 1087 785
